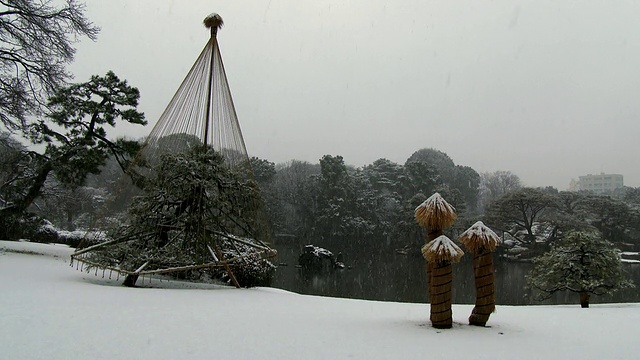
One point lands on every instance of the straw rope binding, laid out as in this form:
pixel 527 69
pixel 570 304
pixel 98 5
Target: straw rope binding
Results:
pixel 440 296
pixel 482 241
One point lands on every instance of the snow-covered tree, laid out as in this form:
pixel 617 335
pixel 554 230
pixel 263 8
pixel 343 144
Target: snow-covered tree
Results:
pixel 75 136
pixel 440 161
pixel 295 193
pixel 74 133
pixel 195 202
pixel 582 263
pixel 346 202
pixel 419 177
pixel 519 214
pixel 384 175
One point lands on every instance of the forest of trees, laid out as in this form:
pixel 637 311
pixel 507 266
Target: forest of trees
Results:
pixel 328 203
pixel 331 203
pixel 335 205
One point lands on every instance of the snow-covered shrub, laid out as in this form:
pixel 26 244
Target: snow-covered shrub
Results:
pixel 29 227
pixel 45 233
pixel 76 238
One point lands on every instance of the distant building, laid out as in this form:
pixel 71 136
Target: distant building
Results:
pixel 598 184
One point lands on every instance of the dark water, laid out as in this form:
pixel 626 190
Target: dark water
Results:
pixel 388 276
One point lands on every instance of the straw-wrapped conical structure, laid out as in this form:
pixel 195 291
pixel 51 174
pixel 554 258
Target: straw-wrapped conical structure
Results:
pixel 442 249
pixel 435 213
pixel 482 241
pixel 199 210
pixel 440 253
pixel 480 236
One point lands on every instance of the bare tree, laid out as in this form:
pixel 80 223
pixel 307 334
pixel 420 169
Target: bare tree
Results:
pixel 36 38
pixel 494 185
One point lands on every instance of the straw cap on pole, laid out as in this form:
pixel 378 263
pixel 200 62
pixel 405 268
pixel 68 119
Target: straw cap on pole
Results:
pixel 435 213
pixel 479 236
pixel 213 22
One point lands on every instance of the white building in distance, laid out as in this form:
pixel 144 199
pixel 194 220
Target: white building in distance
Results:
pixel 598 184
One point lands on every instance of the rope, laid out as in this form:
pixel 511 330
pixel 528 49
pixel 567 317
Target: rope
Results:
pixel 201 112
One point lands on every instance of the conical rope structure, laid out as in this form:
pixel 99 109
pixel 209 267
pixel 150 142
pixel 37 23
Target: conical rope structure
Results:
pixel 202 109
pixel 200 208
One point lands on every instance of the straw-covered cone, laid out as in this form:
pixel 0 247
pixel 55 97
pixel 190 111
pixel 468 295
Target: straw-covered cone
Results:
pixel 479 236
pixel 435 213
pixel 442 249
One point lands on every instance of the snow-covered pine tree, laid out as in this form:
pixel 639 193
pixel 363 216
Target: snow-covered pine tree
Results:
pixel 194 203
pixel 583 263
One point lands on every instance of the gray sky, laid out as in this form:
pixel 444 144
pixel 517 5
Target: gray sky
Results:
pixel 546 89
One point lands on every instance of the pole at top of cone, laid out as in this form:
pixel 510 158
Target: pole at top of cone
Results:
pixel 213 22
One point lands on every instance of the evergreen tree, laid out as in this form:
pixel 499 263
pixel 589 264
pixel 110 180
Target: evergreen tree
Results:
pixel 519 213
pixel 582 263
pixel 194 201
pixel 75 137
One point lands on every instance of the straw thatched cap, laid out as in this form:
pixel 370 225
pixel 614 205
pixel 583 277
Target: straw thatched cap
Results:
pixel 213 22
pixel 435 213
pixel 479 236
pixel 442 249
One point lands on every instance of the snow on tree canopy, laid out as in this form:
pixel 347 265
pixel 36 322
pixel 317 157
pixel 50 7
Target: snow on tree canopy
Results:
pixel 442 249
pixel 479 236
pixel 435 213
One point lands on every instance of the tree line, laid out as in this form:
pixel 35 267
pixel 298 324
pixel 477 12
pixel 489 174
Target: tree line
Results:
pixel 332 202
pixel 329 203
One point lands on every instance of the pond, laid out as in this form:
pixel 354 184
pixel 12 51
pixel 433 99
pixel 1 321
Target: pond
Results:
pixel 388 276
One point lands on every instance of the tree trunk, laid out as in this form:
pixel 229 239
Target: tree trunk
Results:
pixel 70 220
pixel 584 299
pixel 440 295
pixel 130 280
pixel 485 289
pixel 34 191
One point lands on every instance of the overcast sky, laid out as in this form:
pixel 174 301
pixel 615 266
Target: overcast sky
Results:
pixel 549 90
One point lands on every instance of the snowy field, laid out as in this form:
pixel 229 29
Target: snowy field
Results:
pixel 51 311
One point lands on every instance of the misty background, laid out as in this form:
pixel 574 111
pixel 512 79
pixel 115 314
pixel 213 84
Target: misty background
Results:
pixel 546 90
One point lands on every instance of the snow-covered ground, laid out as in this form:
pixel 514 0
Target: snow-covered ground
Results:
pixel 51 311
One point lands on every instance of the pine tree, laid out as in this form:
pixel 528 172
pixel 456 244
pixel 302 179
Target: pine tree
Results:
pixel 74 132
pixel 583 263
pixel 193 204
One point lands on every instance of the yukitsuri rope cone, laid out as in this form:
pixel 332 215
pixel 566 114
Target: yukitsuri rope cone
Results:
pixel 436 214
pixel 482 241
pixel 185 221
